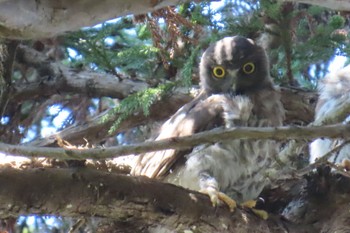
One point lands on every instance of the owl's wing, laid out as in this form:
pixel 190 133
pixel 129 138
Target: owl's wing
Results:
pixel 203 113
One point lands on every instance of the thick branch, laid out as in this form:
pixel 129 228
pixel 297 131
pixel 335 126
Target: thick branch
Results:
pixel 341 5
pixel 213 136
pixel 58 78
pixel 48 18
pixel 40 19
pixel 136 200
pixel 141 201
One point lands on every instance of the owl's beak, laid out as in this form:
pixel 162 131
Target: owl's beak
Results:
pixel 233 77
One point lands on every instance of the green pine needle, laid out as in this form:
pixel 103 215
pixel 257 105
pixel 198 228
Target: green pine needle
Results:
pixel 138 102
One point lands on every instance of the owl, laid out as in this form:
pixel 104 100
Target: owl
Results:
pixel 236 90
pixel 332 107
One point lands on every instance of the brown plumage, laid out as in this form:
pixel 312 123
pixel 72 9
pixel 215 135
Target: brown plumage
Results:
pixel 236 91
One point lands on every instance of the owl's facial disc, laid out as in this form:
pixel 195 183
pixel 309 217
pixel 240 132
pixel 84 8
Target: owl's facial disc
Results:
pixel 234 64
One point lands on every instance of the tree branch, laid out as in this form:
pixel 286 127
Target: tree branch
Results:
pixel 6 68
pixel 136 200
pixel 73 193
pixel 40 19
pixel 340 5
pixel 213 136
pixel 144 202
pixel 323 159
pixel 58 78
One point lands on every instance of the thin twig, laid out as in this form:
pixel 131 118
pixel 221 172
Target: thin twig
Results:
pixel 209 137
pixel 323 159
pixel 77 225
pixel 339 169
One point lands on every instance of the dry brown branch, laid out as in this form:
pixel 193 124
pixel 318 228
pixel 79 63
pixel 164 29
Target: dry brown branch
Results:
pixel 341 5
pixel 49 18
pixel 137 200
pixel 42 19
pixel 323 159
pixel 73 193
pixel 140 202
pixel 213 136
pixel 58 78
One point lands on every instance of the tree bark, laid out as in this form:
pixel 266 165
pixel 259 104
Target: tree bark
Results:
pixel 209 137
pixel 42 19
pixel 75 193
pixel 340 5
pixel 315 204
pixel 138 200
pixel 54 77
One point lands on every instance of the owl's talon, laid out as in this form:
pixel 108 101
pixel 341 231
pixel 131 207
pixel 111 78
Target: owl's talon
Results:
pixel 217 198
pixel 229 201
pixel 260 213
pixel 250 204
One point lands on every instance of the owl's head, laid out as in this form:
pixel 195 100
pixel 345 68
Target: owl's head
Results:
pixel 234 64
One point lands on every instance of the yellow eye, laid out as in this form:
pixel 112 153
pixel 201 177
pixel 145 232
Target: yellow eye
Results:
pixel 219 72
pixel 248 68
